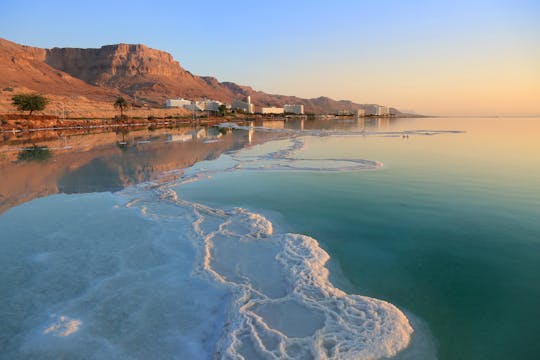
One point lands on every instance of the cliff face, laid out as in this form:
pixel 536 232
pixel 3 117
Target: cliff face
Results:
pixel 25 66
pixel 101 66
pixel 136 71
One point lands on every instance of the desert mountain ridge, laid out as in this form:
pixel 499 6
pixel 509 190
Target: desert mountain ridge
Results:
pixel 142 74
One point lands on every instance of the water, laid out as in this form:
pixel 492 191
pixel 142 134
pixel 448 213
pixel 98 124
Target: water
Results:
pixel 444 227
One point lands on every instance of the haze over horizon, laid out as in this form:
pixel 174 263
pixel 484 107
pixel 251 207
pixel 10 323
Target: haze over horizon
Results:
pixel 443 58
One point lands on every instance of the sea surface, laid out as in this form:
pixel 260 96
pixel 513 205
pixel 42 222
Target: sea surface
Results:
pixel 337 238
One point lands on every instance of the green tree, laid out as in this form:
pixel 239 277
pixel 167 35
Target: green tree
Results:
pixel 121 104
pixel 29 102
pixel 222 109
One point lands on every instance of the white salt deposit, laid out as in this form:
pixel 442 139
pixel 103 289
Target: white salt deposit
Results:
pixel 146 274
pixel 283 305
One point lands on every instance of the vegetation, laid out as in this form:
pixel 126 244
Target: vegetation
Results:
pixel 35 153
pixel 222 109
pixel 121 104
pixel 29 102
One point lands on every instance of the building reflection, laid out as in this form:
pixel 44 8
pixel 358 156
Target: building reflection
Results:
pixel 374 123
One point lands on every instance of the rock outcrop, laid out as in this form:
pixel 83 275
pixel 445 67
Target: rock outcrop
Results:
pixel 100 66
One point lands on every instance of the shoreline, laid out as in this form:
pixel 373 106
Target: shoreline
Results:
pixel 18 124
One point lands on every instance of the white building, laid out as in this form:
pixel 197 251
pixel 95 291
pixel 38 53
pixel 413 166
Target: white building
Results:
pixel 201 105
pixel 272 110
pixel 208 105
pixel 360 113
pixel 193 106
pixel 245 106
pixel 294 109
pixel 381 110
pixel 178 103
pixel 212 105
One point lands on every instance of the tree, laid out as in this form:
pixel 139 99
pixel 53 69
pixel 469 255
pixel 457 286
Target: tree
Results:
pixel 222 109
pixel 29 102
pixel 121 104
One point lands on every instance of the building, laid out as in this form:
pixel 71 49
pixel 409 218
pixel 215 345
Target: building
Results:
pixel 360 113
pixel 212 105
pixel 193 106
pixel 201 105
pixel 294 109
pixel 177 103
pixel 381 110
pixel 272 110
pixel 245 106
pixel 208 105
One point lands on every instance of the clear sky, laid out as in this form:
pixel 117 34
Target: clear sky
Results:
pixel 437 57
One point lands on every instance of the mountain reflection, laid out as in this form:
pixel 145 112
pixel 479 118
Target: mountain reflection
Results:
pixel 83 163
pixel 95 163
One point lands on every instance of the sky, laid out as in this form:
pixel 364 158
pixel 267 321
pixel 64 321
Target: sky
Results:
pixel 456 57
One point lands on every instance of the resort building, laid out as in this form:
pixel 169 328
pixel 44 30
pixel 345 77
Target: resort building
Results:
pixel 192 106
pixel 294 109
pixel 381 110
pixel 360 113
pixel 201 105
pixel 272 110
pixel 177 103
pixel 344 113
pixel 209 105
pixel 245 106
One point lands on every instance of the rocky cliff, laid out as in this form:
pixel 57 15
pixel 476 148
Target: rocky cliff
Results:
pixel 99 66
pixel 25 66
pixel 136 71
pixel 145 73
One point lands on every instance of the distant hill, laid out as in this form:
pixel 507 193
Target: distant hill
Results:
pixel 135 71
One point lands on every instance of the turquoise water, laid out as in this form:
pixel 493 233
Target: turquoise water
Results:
pixel 447 230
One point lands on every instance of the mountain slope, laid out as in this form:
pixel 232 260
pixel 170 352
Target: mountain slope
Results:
pixel 136 71
pixel 25 66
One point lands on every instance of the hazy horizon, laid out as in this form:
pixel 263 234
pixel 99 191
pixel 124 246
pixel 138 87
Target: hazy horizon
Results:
pixel 446 58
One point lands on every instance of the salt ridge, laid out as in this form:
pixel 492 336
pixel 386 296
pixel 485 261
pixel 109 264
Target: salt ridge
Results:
pixel 277 276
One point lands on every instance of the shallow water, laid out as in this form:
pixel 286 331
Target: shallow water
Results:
pixel 442 225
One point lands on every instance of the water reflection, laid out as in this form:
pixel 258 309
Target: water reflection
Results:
pixel 374 123
pixel 95 162
pixel 108 161
pixel 35 153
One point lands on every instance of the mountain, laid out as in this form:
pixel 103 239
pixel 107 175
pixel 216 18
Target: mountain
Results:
pixel 25 66
pixel 138 72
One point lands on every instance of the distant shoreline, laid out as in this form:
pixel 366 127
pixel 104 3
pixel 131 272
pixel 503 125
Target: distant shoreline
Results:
pixel 18 123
